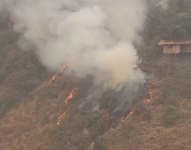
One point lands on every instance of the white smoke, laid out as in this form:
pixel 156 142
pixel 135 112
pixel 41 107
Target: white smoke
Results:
pixel 96 37
pixel 163 3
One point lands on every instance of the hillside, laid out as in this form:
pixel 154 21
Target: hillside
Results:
pixel 31 106
pixel 164 122
pixel 42 109
pixel 34 111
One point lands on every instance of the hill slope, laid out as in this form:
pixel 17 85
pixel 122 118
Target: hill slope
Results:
pixel 161 127
pixel 38 115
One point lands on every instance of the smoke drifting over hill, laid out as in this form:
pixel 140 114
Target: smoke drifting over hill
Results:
pixel 163 3
pixel 96 37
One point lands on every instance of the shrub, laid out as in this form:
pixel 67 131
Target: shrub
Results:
pixel 147 115
pixel 99 143
pixel 168 97
pixel 170 115
pixel 172 99
pixel 8 98
pixel 140 108
pixel 21 81
pixel 97 124
pixel 99 127
pixel 127 128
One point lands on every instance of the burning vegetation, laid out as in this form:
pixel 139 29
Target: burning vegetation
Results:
pixel 54 77
pixel 149 92
pixel 145 100
pixel 71 95
pixel 61 117
pixel 24 96
pixel 131 112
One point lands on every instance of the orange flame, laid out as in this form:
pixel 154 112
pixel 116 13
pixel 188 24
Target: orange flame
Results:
pixel 54 77
pixel 71 95
pixel 132 111
pixel 147 100
pixel 64 68
pixel 61 117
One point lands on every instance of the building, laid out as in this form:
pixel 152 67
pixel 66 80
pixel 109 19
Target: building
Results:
pixel 176 46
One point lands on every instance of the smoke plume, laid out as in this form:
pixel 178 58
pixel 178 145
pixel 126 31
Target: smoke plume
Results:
pixel 163 3
pixel 96 37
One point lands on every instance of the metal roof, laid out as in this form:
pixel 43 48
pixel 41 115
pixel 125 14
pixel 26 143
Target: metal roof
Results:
pixel 173 42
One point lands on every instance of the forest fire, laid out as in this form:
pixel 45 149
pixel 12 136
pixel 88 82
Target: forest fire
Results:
pixel 54 77
pixel 132 111
pixel 71 95
pixel 147 100
pixel 150 93
pixel 64 68
pixel 61 117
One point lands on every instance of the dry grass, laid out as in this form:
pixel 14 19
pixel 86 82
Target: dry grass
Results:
pixel 29 124
pixel 153 135
pixel 21 129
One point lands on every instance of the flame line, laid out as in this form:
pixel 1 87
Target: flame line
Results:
pixel 145 100
pixel 71 95
pixel 131 112
pixel 54 77
pixel 61 117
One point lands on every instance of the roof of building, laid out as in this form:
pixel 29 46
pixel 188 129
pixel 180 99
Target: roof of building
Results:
pixel 173 42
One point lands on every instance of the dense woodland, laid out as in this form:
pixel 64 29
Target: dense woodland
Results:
pixel 30 106
pixel 171 23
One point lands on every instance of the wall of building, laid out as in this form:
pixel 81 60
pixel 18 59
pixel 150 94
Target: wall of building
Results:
pixel 185 48
pixel 171 49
